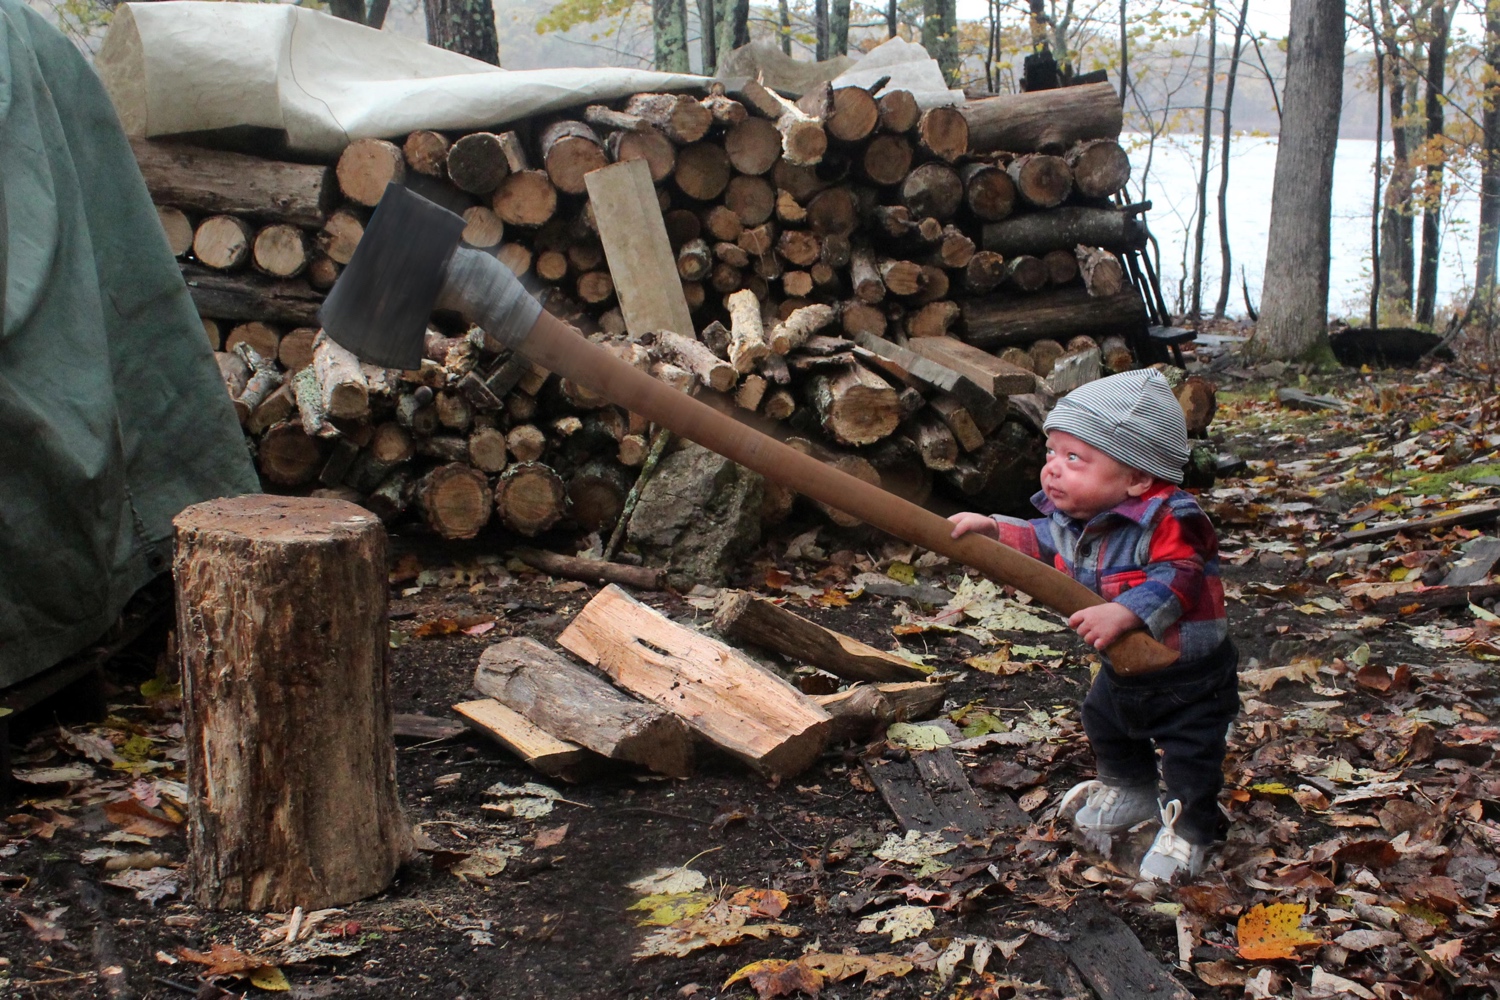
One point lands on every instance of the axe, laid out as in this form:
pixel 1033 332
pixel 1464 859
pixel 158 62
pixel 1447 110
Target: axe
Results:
pixel 409 262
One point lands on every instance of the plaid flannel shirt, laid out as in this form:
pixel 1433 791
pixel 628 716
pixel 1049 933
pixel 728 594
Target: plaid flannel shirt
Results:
pixel 1156 554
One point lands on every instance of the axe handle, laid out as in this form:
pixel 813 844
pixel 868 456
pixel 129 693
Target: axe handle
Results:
pixel 561 349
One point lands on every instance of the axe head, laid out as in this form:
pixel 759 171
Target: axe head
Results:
pixel 379 308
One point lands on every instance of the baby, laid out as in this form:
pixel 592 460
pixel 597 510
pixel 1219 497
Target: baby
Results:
pixel 1115 520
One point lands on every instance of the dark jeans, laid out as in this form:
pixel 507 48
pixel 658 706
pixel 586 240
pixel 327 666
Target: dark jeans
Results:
pixel 1184 711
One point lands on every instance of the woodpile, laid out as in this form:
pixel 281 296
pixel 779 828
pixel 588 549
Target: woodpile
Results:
pixel 858 278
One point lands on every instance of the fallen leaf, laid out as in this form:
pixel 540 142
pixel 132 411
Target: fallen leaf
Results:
pixel 270 978
pixel 900 922
pixel 841 967
pixel 486 862
pixel 915 737
pixel 1364 940
pixel 915 848
pixel 550 838
pixel 531 800
pixel 1326 984
pixel 1302 668
pixel 53 775
pixel 45 930
pixel 150 885
pixel 718 926
pixel 778 977
pixel 134 818
pixel 666 908
pixel 670 880
pixel 1274 931
pixel 769 903
pixel 223 960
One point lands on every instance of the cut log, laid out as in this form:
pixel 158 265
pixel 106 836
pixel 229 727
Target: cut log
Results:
pixel 222 242
pixel 935 442
pixel 747 343
pixel 1027 274
pixel 985 272
pixel 1199 400
pixel 726 110
pixel 1018 356
pixel 855 115
pixel 724 696
pixel 592 570
pixel 595 287
pixel 886 160
pixel 427 153
pixel 177 227
pixel 933 320
pixel 453 410
pixel 636 245
pixel 322 272
pixel 722 224
pixel 679 117
pixel 1100 167
pixel 345 392
pixel 933 190
pixel 340 236
pixel 570 149
pixel 526 442
pixel 753 146
pixel 280 251
pixel 866 710
pixel 987 371
pixel 788 212
pixel 389 448
pixel 525 198
pixel 862 318
pixel 1041 180
pixel 794 331
pixel 901 277
pixel 212 183
pixel 262 338
pixel 477 163
pixel 743 616
pixel 275 408
pixel 606 118
pixel 366 166
pixel 779 404
pixel 988 191
pixel 703 171
pixel 944 132
pixel 1044 120
pixel 914 369
pixel 1044 354
pixel 391 498
pixel 1075 367
pixel 1062 267
pixel 959 421
pixel 517 257
pixel 573 704
pixel 750 392
pixel 482 228
pixel 287 456
pixel 530 498
pixel 758 240
pixel 898 111
pixel 596 494
pixel 751 199
pixel 1059 312
pixel 538 750
pixel 856 406
pixel 277 594
pixel 799 247
pixel 1039 233
pixel 455 500
pixel 727 280
pixel 653 147
pixel 869 287
pixel 1117 354
pixel 797 284
pixel 264 379
pixel 1102 272
pixel 714 372
pixel 551 266
pixel 955 249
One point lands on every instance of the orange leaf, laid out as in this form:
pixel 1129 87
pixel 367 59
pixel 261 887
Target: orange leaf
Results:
pixel 777 579
pixel 1274 931
pixel 223 960
pixel 134 818
pixel 777 977
pixel 770 903
pixel 438 626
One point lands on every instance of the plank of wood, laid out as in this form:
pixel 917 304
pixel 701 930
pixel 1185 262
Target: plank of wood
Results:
pixel 1478 559
pixel 741 615
pixel 984 406
pixel 722 694
pixel 629 221
pixel 929 793
pixel 540 750
pixel 1464 518
pixel 998 378
pixel 1112 959
pixel 426 728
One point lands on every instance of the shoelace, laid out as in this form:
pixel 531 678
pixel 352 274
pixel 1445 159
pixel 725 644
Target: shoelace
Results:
pixel 1167 840
pixel 1096 794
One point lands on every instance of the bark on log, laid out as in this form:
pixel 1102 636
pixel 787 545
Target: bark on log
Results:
pixel 901 277
pixel 222 242
pixel 944 132
pixel 856 406
pixel 714 372
pixel 1117 354
pixel 538 749
pixel 933 320
pixel 251 297
pixel 679 117
pixel 703 171
pixel 345 392
pixel 293 800
pixel 530 497
pixel 591 570
pixel 607 119
pixel 1039 233
pixel 1027 274
pixel 477 163
pixel 212 183
pixel 869 287
pixel 1060 312
pixel 886 160
pixel 747 618
pixel 726 110
pixel 653 147
pixel 986 272
pixel 753 146
pixel 455 500
pixel 1062 267
pixel 571 703
pixel 988 191
pixel 899 111
pixel 959 421
pixel 427 153
pixel 794 331
pixel 1100 167
pixel 366 166
pixel 1199 400
pixel 525 198
pixel 747 343
pixel 1102 272
pixel 862 318
pixel 1041 180
pixel 1044 120
pixel 724 696
pixel 280 251
pixel 866 710
pixel 932 190
pixel 570 149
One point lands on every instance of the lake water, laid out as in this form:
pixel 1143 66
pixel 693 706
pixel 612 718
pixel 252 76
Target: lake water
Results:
pixel 1171 187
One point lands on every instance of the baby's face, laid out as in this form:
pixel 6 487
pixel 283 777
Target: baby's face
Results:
pixel 1083 481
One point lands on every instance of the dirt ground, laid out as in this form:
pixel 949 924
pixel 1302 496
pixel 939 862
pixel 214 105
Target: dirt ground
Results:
pixel 1349 710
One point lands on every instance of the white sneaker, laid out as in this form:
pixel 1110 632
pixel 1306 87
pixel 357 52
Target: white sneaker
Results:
pixel 1171 856
pixel 1109 809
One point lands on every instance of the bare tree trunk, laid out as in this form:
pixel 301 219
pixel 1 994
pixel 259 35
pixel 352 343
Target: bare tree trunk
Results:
pixel 820 29
pixel 1207 143
pixel 891 22
pixel 1224 257
pixel 731 25
pixel 1437 65
pixel 1294 301
pixel 786 27
pixel 940 35
pixel 1125 57
pixel 1396 259
pixel 465 26
pixel 349 10
pixel 1379 168
pixel 1489 182
pixel 707 42
pixel 670 30
pixel 838 28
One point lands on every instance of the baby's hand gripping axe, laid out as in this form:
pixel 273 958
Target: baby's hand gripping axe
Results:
pixel 409 262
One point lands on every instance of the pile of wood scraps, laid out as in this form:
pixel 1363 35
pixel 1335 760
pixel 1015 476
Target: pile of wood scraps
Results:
pixel 671 687
pixel 902 293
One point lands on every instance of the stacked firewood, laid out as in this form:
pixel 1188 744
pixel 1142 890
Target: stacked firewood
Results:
pixel 895 290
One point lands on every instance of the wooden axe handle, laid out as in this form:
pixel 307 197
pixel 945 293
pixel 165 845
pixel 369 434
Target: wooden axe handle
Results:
pixel 561 349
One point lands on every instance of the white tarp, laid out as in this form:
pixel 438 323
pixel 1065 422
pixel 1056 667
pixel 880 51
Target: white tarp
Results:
pixel 190 66
pixel 909 67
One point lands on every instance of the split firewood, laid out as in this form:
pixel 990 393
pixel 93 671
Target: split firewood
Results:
pixel 538 749
pixel 803 140
pixel 719 375
pixel 344 391
pixel 366 167
pixel 747 332
pixel 993 375
pixel 743 616
pixel 1102 272
pixel 725 697
pixel 478 163
pixel 855 406
pixel 573 704
pixel 275 408
pixel 794 331
pixel 1199 400
pixel 678 116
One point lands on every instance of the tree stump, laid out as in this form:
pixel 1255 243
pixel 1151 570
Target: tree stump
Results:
pixel 281 622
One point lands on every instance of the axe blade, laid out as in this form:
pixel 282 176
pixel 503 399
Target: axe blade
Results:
pixel 379 307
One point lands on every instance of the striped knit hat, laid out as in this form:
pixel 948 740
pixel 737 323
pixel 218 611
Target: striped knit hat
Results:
pixel 1132 417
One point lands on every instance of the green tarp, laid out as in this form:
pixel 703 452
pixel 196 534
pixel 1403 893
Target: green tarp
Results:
pixel 112 414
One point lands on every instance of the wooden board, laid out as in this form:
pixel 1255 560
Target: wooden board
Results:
pixel 635 242
pixel 1112 959
pixel 1456 519
pixel 726 697
pixel 929 793
pixel 743 616
pixel 540 750
pixel 1477 561
pixel 982 404
pixel 998 378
